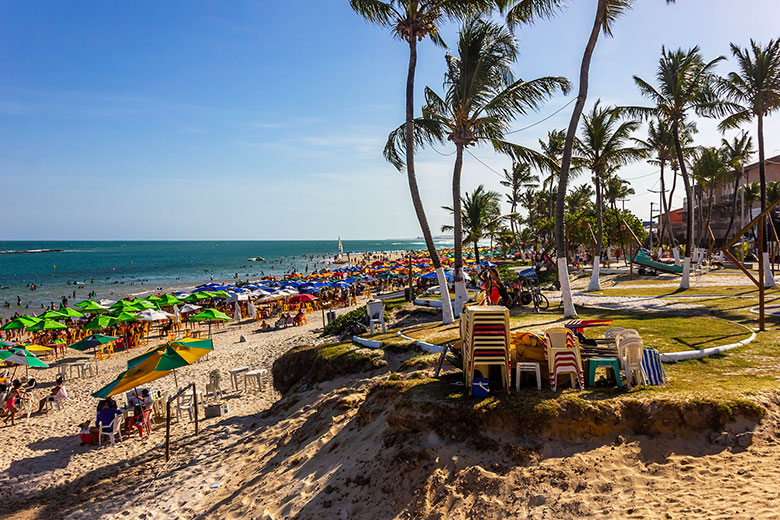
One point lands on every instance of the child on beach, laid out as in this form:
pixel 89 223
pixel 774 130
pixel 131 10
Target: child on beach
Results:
pixel 11 401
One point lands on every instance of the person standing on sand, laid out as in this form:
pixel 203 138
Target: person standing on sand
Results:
pixel 11 401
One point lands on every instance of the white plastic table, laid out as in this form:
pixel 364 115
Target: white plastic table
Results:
pixel 235 373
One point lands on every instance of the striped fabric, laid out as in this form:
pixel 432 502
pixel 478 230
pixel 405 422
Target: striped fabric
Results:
pixel 654 369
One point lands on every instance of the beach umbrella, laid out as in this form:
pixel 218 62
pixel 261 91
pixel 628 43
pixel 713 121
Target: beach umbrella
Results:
pixel 155 298
pixel 302 298
pixel 46 324
pixel 100 322
pixel 31 347
pixel 125 305
pixel 128 380
pixel 168 300
pixel 220 294
pixel 21 356
pixel 92 341
pixel 20 323
pixel 196 296
pixel 92 307
pixel 153 315
pixel 143 304
pixel 70 313
pixel 169 357
pixel 210 315
pixel 189 308
pixel 6 344
pixel 123 317
pixel 51 314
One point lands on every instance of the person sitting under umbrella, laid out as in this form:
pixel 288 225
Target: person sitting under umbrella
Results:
pixel 58 393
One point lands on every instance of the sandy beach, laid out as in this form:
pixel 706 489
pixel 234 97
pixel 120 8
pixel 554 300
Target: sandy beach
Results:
pixel 43 453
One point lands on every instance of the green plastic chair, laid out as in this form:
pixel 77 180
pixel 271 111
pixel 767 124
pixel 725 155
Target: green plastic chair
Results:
pixel 613 363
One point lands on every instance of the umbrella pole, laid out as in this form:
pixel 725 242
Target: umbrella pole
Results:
pixel 175 380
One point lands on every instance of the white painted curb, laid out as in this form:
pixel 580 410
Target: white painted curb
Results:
pixel 370 343
pixel 673 357
pixel 428 347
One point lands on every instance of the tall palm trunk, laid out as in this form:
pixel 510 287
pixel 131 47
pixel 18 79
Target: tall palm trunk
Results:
pixel 769 279
pixel 685 283
pixel 476 252
pixel 666 221
pixel 675 249
pixel 563 180
pixel 461 294
pixel 446 306
pixel 594 284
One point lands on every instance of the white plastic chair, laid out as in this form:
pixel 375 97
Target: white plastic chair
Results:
pixel 213 386
pixel 376 314
pixel 115 431
pixel 185 403
pixel 632 347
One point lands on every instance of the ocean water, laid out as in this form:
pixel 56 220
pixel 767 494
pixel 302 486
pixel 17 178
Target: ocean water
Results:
pixel 118 269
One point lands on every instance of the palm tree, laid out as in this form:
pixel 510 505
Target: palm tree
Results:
pixel 579 199
pixel 552 150
pixel 412 21
pixel 520 177
pixel 482 98
pixel 751 192
pixel 685 84
pixel 607 11
pixel 616 189
pixel 660 146
pixel 738 152
pixel 709 170
pixel 755 91
pixel 479 213
pixel 602 149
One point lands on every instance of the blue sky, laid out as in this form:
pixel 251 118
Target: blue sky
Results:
pixel 251 120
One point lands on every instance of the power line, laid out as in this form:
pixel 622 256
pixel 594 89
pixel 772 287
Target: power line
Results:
pixel 543 120
pixel 483 164
pixel 642 176
pixel 442 153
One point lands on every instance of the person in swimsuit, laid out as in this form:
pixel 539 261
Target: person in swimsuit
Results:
pixel 11 402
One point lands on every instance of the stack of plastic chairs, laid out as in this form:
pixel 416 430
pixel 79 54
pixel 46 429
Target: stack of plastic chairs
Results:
pixel 563 357
pixel 485 340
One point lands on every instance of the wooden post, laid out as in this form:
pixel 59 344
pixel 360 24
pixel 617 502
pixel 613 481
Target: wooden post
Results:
pixel 761 224
pixel 631 261
pixel 168 430
pixel 195 405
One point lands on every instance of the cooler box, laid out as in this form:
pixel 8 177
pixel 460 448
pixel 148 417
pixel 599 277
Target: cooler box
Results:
pixel 480 387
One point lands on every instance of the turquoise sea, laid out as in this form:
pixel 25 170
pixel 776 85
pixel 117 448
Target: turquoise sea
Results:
pixel 121 268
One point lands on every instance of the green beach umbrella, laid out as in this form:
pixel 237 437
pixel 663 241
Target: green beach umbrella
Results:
pixel 197 296
pixel 123 316
pixel 210 315
pixel 92 341
pixel 6 344
pixel 91 307
pixel 51 314
pixel 143 304
pixel 169 300
pixel 21 322
pixel 221 294
pixel 70 313
pixel 125 306
pixel 46 324
pixel 100 322
pixel 21 356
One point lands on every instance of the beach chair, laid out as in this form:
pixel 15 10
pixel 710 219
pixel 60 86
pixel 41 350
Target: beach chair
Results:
pixel 114 430
pixel 213 386
pixel 485 341
pixel 654 369
pixel 633 347
pixel 185 403
pixel 144 422
pixel 376 315
pixel 563 357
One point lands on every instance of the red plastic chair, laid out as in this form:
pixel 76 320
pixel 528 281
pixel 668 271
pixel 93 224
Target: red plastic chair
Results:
pixel 145 421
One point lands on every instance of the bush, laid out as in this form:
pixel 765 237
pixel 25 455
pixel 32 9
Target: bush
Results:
pixel 340 324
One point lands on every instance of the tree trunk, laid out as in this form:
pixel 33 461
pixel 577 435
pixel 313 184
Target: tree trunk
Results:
pixel 594 284
pixel 685 283
pixel 676 252
pixel 446 306
pixel 461 294
pixel 563 180
pixel 667 220
pixel 769 279
pixel 476 253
